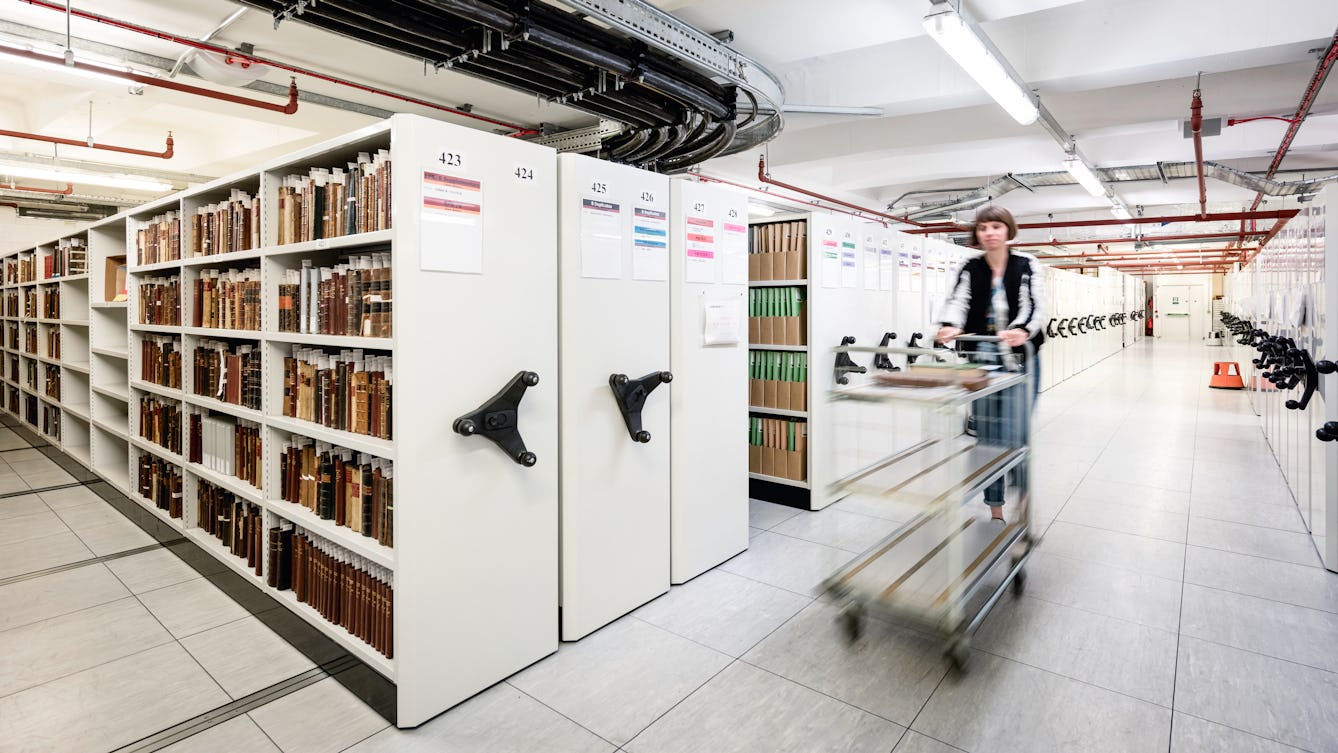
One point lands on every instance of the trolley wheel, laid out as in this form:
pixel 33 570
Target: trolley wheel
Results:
pixel 959 652
pixel 852 622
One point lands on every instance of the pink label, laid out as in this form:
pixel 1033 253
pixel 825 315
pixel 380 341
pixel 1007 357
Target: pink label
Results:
pixel 698 254
pixel 700 238
pixel 829 244
pixel 701 222
pixel 734 228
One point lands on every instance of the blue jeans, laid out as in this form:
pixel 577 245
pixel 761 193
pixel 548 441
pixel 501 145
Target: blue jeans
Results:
pixel 1001 421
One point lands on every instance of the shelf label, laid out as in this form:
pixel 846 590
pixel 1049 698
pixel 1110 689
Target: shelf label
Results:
pixel 524 175
pixel 887 266
pixel 700 235
pixel 452 224
pixel 601 239
pixel 849 268
pixel 870 263
pixel 650 242
pixel 735 251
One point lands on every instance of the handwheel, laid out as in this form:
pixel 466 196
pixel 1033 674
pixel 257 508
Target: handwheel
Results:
pixel 959 652
pixel 852 622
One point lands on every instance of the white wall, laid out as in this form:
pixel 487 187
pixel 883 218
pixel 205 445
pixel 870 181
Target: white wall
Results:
pixel 1201 301
pixel 25 232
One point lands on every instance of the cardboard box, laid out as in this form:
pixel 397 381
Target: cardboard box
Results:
pixel 754 459
pixel 767 465
pixel 114 279
pixel 779 468
pixel 794 330
pixel 755 330
pixel 798 396
pixel 783 395
pixel 769 393
pixel 755 392
pixel 755 267
pixel 792 271
pixel 778 269
pixel 795 463
pixel 765 333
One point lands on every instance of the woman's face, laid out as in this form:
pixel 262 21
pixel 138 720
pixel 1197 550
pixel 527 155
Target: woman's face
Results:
pixel 992 234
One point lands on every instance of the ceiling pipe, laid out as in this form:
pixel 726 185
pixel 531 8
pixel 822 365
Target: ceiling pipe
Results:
pixel 806 203
pixel 1196 127
pixel 765 177
pixel 1140 254
pixel 518 130
pixel 1138 239
pixel 1302 110
pixel 66 191
pixel 165 154
pixel 287 109
pixel 1274 214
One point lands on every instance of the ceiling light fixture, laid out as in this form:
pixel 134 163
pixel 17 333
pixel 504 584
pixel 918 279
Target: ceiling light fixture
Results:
pixel 94 179
pixel 112 75
pixel 959 36
pixel 1085 177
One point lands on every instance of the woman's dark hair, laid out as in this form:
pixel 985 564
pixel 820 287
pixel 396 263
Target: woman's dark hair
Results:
pixel 993 213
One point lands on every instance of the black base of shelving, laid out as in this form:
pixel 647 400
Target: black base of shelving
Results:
pixel 781 494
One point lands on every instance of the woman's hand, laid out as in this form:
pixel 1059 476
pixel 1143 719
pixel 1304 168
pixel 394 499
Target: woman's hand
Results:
pixel 1014 338
pixel 946 334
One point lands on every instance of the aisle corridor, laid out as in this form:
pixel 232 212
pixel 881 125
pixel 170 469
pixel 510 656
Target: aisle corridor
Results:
pixel 1175 603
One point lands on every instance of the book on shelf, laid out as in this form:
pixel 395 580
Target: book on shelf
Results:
pixel 160 360
pixel 344 588
pixel 30 338
pixel 160 423
pixel 778 447
pixel 346 391
pixel 230 446
pixel 331 202
pixel 25 270
pixel 12 303
pixel 53 343
pixel 228 372
pixel 227 300
pixel 159 482
pixel 30 303
pixel 51 381
pixel 355 490
pixel 160 300
pixel 238 524
pixel 159 239
pixel 70 258
pixel 12 335
pixel 51 421
pixel 51 303
pixel 227 226
pixel 353 298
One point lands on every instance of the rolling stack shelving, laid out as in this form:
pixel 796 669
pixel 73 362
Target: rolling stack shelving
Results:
pixel 178 350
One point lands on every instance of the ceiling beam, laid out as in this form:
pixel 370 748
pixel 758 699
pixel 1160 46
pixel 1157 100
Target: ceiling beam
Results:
pixel 1275 214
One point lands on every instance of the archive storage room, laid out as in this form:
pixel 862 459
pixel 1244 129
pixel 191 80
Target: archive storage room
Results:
pixel 586 376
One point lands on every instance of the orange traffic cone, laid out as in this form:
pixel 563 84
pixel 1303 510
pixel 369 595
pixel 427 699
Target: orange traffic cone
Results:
pixel 1223 379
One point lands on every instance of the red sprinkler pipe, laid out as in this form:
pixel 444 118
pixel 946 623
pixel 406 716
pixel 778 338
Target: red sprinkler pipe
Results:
pixel 165 154
pixel 1272 214
pixel 237 56
pixel 778 197
pixel 287 109
pixel 1144 238
pixel 1196 127
pixel 66 191
pixel 765 178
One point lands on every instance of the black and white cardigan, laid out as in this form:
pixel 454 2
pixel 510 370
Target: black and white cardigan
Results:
pixel 968 303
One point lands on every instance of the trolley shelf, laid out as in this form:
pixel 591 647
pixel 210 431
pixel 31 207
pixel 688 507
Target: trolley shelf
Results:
pixel 941 396
pixel 936 473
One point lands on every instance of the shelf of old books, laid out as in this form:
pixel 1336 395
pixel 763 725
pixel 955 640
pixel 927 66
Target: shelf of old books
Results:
pixel 241 347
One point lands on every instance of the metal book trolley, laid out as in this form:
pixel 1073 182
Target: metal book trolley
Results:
pixel 947 565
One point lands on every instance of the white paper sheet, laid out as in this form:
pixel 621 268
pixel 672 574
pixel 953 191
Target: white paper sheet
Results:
pixel 887 266
pixel 700 262
pixel 601 239
pixel 734 249
pixel 451 224
pixel 831 263
pixel 650 244
pixel 849 264
pixel 870 264
pixel 721 321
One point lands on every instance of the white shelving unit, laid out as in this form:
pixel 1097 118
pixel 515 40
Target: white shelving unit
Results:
pixel 474 531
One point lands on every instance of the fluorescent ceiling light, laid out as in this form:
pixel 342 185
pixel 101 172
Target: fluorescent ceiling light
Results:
pixel 1084 175
pixel 961 41
pixel 833 110
pixel 7 54
pixel 94 179
pixel 1120 212
pixel 757 210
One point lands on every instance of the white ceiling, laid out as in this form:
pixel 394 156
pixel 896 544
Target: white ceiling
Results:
pixel 1118 74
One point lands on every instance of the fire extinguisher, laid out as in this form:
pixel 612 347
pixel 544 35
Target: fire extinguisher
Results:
pixel 1147 320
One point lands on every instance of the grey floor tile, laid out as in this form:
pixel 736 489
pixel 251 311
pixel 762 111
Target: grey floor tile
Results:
pixel 786 562
pixel 320 718
pixel 1255 576
pixel 1132 494
pixel 890 671
pixel 264 659
pixel 1104 589
pixel 110 705
pixel 1271 543
pixel 752 532
pixel 764 515
pixel 29 601
pixel 38 525
pixel 115 537
pixel 1001 706
pixel 1283 517
pixel 618 680
pixel 60 646
pixel 1140 521
pixel 726 612
pixel 914 742
pixel 745 709
pixel 1243 450
pixel 70 496
pixel 92 515
pixel 33 555
pixel 237 735
pixel 12 482
pixel 192 607
pixel 52 477
pixel 1259 482
pixel 1164 559
pixel 24 453
pixel 498 720
pixel 1190 734
pixel 1148 470
pixel 837 528
pixel 876 507
pixel 151 570
pixel 21 506
pixel 1132 659
pixel 10 440
pixel 1298 634
pixel 1271 698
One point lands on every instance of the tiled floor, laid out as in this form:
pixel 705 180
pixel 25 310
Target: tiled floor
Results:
pixel 1175 604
